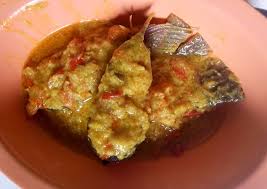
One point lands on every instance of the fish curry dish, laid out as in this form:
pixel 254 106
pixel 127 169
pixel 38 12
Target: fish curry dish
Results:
pixel 117 87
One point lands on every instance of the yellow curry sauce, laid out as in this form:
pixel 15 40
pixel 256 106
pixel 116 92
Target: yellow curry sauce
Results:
pixel 64 83
pixel 100 82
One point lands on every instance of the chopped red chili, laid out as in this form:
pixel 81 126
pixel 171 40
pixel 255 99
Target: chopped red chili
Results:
pixel 160 86
pixel 108 146
pixel 76 61
pixel 60 71
pixel 179 72
pixel 192 114
pixel 38 103
pixel 111 94
pixel 78 40
pixel 28 82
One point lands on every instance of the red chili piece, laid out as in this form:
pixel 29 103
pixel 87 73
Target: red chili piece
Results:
pixel 78 40
pixel 192 114
pixel 179 72
pixel 111 94
pixel 108 146
pixel 60 71
pixel 28 82
pixel 76 61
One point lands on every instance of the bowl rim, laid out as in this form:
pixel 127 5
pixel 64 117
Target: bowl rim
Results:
pixel 9 162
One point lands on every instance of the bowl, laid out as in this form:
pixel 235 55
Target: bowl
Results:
pixel 235 157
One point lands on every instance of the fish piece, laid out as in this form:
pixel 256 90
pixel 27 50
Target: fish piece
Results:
pixel 195 45
pixel 65 83
pixel 120 123
pixel 215 77
pixel 184 88
pixel 166 38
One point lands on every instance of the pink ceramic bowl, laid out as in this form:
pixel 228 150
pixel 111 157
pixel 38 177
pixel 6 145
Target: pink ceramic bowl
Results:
pixel 234 158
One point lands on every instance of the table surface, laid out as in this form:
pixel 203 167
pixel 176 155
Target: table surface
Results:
pixel 6 183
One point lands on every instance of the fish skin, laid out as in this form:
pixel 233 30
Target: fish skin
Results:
pixel 195 45
pixel 166 38
pixel 208 83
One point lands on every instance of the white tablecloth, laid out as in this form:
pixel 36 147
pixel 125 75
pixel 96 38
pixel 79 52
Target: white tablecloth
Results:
pixel 261 4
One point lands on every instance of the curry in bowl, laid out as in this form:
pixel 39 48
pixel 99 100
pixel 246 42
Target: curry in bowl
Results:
pixel 118 87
